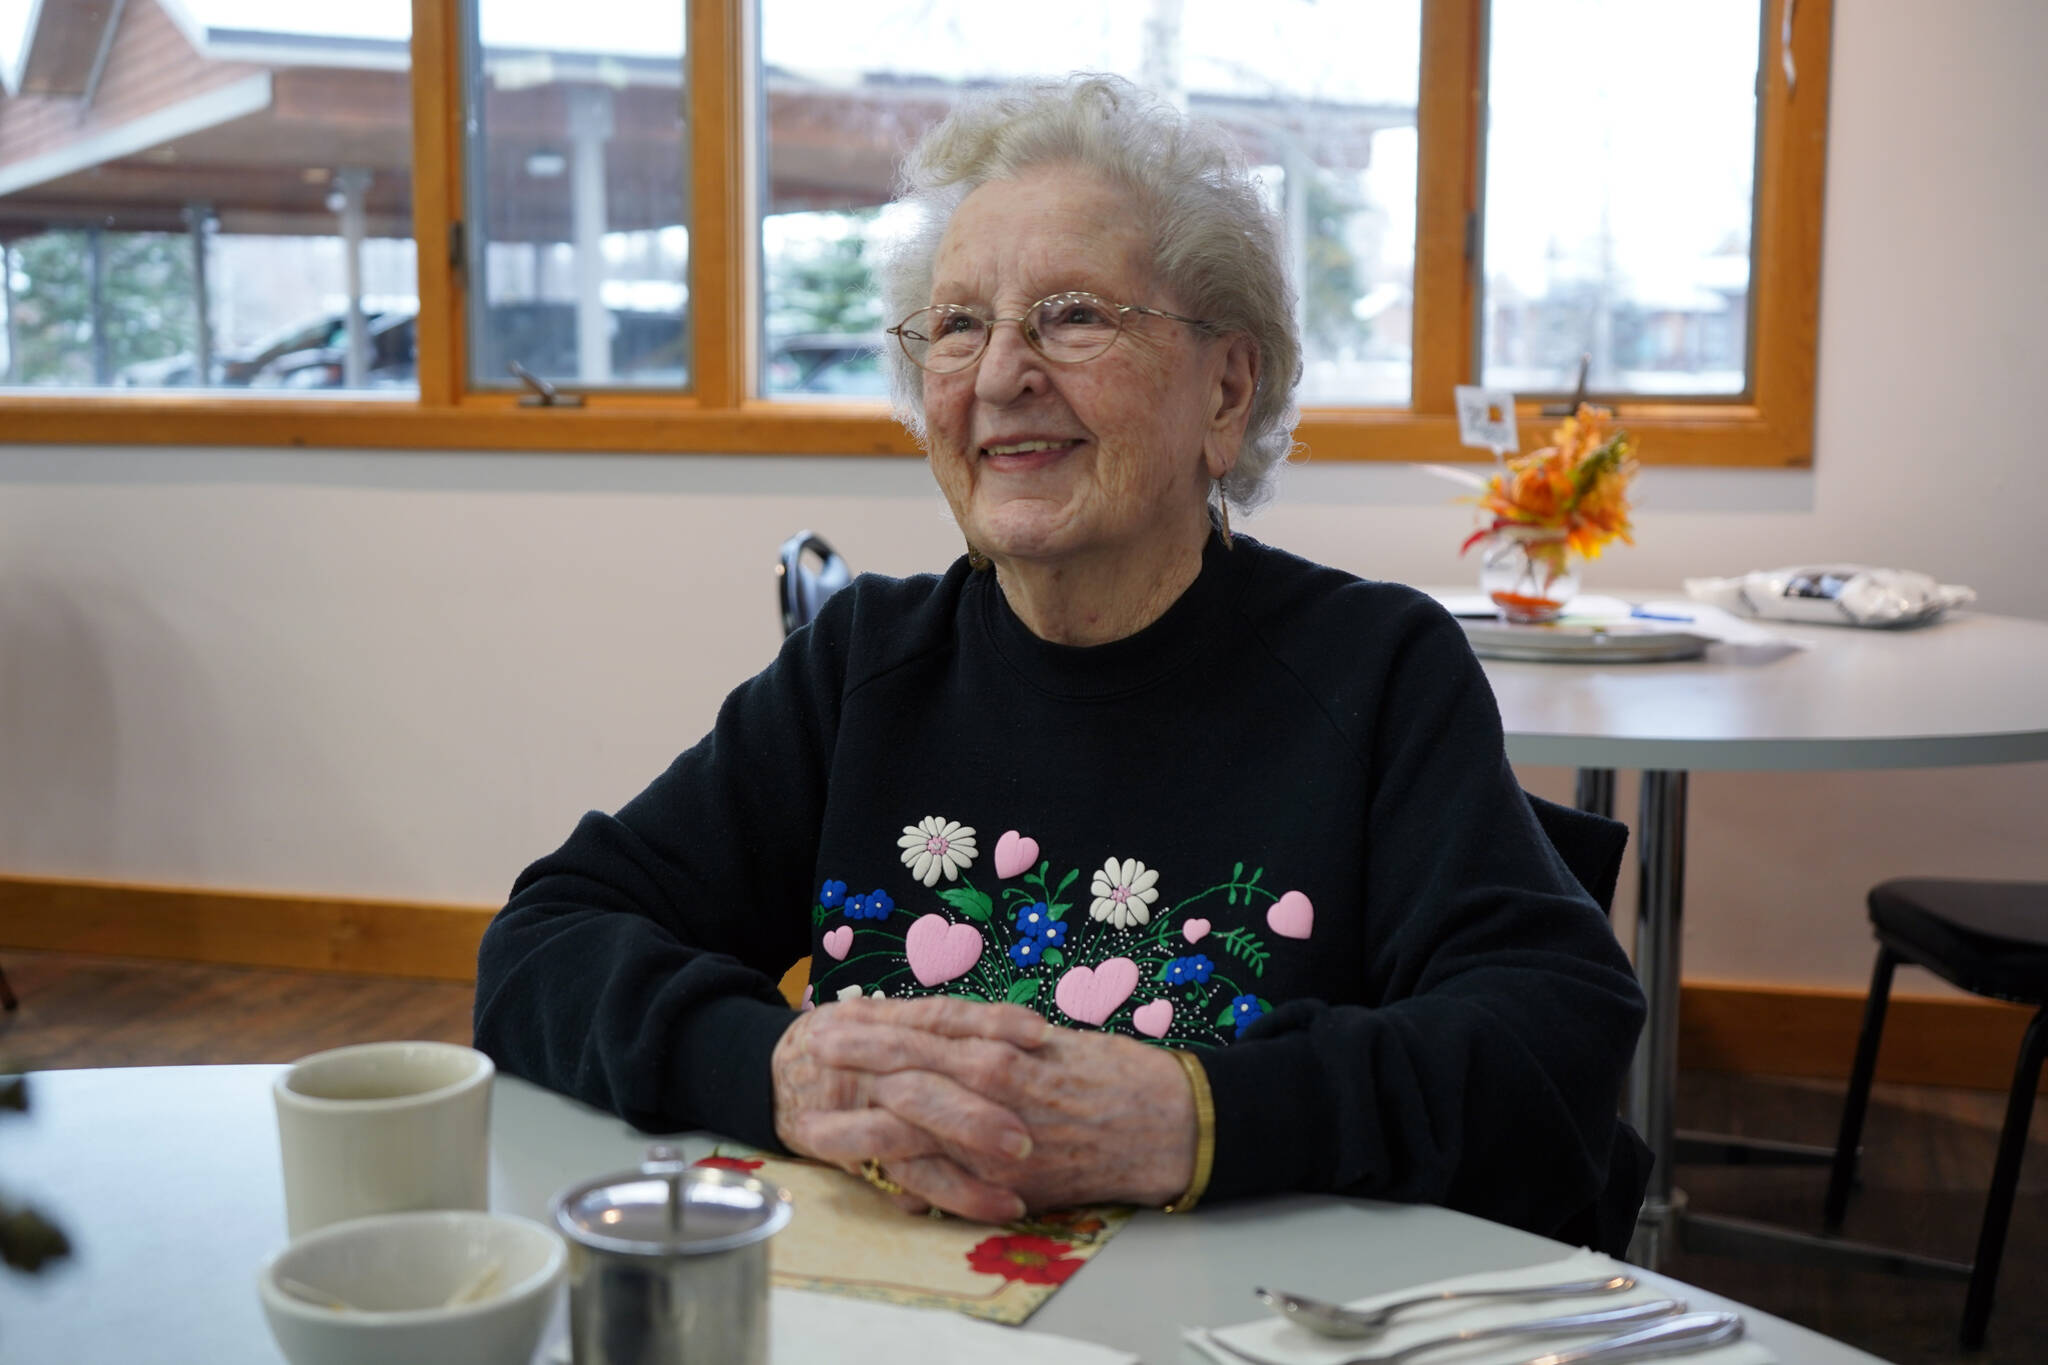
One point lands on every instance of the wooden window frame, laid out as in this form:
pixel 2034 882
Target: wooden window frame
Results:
pixel 1772 426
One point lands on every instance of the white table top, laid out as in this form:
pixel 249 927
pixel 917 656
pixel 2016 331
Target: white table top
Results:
pixel 1967 689
pixel 167 1180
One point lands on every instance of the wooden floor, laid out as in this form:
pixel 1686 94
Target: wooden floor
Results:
pixel 1928 1159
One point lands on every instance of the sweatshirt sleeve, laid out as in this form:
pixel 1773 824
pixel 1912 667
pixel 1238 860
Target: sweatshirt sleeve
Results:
pixel 635 967
pixel 1484 1075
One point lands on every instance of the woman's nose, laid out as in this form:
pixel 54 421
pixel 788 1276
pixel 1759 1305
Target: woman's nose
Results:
pixel 1009 367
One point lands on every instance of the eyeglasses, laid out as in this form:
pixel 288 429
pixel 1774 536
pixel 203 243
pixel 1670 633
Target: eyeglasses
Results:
pixel 1067 329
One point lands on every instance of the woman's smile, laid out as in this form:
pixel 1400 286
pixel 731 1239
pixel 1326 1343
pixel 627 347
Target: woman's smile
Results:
pixel 1027 454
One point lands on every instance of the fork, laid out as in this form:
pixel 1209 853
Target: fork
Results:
pixel 1578 1324
pixel 1331 1320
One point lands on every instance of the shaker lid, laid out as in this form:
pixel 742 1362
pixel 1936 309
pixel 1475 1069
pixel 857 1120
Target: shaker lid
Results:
pixel 668 1208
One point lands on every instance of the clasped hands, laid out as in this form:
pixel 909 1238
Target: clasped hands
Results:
pixel 986 1111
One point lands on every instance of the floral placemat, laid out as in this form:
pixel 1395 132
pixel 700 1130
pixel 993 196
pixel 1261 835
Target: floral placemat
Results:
pixel 846 1237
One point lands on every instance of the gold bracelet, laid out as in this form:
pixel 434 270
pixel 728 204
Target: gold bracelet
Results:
pixel 1205 1133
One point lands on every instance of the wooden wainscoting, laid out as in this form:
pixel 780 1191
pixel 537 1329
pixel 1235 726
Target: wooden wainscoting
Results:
pixel 370 937
pixel 1723 1026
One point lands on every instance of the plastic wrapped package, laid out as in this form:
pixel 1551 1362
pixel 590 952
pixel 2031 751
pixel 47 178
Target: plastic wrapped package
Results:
pixel 1833 594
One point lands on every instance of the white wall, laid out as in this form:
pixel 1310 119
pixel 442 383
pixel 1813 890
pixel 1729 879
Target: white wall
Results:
pixel 405 674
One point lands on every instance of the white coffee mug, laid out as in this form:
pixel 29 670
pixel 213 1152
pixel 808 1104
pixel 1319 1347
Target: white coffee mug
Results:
pixel 383 1127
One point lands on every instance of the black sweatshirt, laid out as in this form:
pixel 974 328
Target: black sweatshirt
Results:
pixel 1277 825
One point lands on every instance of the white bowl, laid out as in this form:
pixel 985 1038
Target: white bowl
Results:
pixel 397 1271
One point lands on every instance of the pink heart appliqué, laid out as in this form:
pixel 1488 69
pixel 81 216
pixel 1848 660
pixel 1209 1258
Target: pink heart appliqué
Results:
pixel 839 942
pixel 1195 930
pixel 1154 1019
pixel 1015 853
pixel 1091 995
pixel 940 950
pixel 1291 916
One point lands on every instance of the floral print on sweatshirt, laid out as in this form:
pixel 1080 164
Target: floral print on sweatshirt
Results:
pixel 1142 960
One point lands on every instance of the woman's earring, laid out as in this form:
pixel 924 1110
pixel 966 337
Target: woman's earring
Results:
pixel 976 560
pixel 1223 511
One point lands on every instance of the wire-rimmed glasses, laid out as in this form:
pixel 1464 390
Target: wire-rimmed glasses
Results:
pixel 1068 328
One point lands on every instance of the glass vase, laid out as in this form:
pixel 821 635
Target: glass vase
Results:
pixel 1529 576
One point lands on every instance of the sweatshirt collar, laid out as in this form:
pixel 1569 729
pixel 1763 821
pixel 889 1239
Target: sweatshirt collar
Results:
pixel 1131 664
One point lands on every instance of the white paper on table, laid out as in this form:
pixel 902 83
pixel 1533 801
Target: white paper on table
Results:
pixel 1735 640
pixel 1283 1342
pixel 807 1328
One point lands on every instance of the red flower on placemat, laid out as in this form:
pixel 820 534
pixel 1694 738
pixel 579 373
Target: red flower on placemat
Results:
pixel 1034 1260
pixel 729 1163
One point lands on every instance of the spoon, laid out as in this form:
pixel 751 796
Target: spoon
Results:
pixel 1579 1325
pixel 299 1289
pixel 1666 1337
pixel 479 1286
pixel 1334 1320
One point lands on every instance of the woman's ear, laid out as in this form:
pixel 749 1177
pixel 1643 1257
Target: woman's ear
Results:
pixel 1230 404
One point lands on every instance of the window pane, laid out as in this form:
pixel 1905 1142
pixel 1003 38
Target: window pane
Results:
pixel 578 166
pixel 1619 194
pixel 221 200
pixel 1320 96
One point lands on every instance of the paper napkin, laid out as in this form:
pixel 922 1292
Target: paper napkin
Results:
pixel 1273 1339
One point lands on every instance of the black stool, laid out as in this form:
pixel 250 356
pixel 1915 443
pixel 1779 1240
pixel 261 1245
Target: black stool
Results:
pixel 1991 939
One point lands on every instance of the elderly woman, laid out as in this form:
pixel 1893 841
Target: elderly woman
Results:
pixel 1134 861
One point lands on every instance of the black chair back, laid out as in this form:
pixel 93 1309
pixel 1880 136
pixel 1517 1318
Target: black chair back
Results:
pixel 801 589
pixel 1592 847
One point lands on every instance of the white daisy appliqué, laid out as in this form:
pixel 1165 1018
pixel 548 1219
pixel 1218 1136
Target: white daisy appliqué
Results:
pixel 853 993
pixel 1124 892
pixel 935 847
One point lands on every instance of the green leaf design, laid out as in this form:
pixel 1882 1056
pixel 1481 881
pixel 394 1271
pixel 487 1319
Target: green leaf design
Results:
pixel 1237 872
pixel 1067 880
pixel 1223 1020
pixel 1021 992
pixel 1243 945
pixel 1058 909
pixel 819 914
pixel 1160 975
pixel 1053 957
pixel 972 903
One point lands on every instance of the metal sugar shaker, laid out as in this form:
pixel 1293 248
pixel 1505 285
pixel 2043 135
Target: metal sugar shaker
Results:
pixel 668 1264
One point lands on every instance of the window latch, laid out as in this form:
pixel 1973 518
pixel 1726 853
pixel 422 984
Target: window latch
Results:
pixel 544 395
pixel 1578 394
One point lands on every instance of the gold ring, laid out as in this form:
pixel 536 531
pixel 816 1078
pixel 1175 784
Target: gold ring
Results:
pixel 872 1172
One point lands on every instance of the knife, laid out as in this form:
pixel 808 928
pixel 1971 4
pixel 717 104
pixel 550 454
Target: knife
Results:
pixel 1673 1336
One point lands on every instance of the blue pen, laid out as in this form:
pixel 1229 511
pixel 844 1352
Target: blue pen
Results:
pixel 1642 614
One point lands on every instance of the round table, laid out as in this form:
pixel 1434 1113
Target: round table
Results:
pixel 167 1180
pixel 1968 689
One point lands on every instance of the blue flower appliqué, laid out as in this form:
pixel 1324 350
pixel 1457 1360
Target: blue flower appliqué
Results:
pixel 1244 1009
pixel 831 894
pixel 874 905
pixel 1194 971
pixel 1054 934
pixel 1033 919
pixel 1025 952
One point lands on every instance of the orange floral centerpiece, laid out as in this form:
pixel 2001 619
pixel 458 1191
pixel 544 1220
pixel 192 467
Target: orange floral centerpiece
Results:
pixel 1542 509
